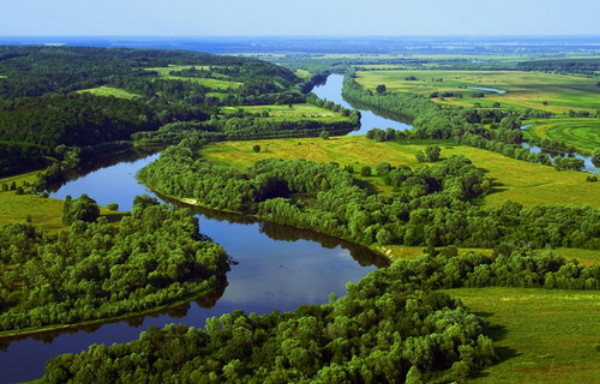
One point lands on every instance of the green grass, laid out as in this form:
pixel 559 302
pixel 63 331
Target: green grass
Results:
pixel 217 84
pixel 296 112
pixel 516 180
pixel 542 336
pixel 550 92
pixel 584 134
pixel 45 212
pixel 110 91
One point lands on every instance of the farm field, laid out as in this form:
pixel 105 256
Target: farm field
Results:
pixel 516 180
pixel 584 134
pixel 110 91
pixel 295 112
pixel 536 90
pixel 541 336
pixel 220 84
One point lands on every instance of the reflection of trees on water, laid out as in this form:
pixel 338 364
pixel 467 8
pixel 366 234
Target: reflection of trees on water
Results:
pixel 206 301
pixel 105 160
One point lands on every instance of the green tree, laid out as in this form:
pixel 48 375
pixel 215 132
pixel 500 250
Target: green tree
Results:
pixel 433 153
pixel 256 148
pixel 83 208
pixel 365 171
pixel 381 89
pixel 324 135
pixel 596 158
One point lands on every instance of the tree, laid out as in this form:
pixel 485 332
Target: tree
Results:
pixel 596 158
pixel 256 148
pixel 113 206
pixel 324 135
pixel 381 89
pixel 433 153
pixel 365 171
pixel 83 208
pixel 420 156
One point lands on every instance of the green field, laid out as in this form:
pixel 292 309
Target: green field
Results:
pixel 516 180
pixel 396 252
pixel 218 84
pixel 295 112
pixel 542 336
pixel 110 91
pixel 584 134
pixel 550 92
pixel 44 212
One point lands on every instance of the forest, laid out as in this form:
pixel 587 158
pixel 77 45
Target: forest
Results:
pixel 94 270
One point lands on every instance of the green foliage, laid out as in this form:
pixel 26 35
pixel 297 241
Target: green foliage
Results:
pixel 256 148
pixel 94 271
pixel 83 208
pixel 324 135
pixel 386 330
pixel 112 206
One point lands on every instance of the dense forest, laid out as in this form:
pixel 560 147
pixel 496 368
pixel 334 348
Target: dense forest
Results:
pixel 95 270
pixel 48 99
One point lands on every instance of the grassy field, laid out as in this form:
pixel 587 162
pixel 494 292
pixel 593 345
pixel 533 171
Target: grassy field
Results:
pixel 110 91
pixel 542 336
pixel 296 112
pixel 45 212
pixel 550 92
pixel 397 252
pixel 584 134
pixel 516 180
pixel 218 84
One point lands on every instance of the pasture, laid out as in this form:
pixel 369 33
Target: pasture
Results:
pixel 217 82
pixel 541 336
pixel 291 112
pixel 516 180
pixel 110 91
pixel 584 134
pixel 536 90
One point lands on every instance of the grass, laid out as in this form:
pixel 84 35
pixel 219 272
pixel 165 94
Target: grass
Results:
pixel 220 84
pixel 550 92
pixel 44 212
pixel 396 252
pixel 584 134
pixel 542 336
pixel 516 180
pixel 110 91
pixel 296 112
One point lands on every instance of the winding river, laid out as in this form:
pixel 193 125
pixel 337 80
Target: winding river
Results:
pixel 278 268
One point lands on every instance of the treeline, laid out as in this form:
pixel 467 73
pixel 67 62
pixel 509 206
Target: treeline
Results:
pixel 582 66
pixel 428 206
pixel 94 270
pixel 240 125
pixel 384 331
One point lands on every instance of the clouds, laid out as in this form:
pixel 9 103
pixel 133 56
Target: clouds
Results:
pixel 300 17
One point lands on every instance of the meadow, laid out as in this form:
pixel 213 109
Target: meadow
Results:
pixel 44 212
pixel 584 134
pixel 291 112
pixel 218 82
pixel 541 336
pixel 516 180
pixel 536 90
pixel 110 91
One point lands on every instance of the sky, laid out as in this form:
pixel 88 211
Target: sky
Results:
pixel 299 17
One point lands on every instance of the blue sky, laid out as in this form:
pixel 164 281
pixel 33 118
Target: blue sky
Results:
pixel 298 17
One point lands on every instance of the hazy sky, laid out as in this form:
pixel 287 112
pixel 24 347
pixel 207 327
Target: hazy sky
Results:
pixel 299 17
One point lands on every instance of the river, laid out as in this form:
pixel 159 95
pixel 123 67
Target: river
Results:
pixel 278 268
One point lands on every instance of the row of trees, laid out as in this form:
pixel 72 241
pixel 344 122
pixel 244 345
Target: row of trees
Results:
pixel 94 270
pixel 428 206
